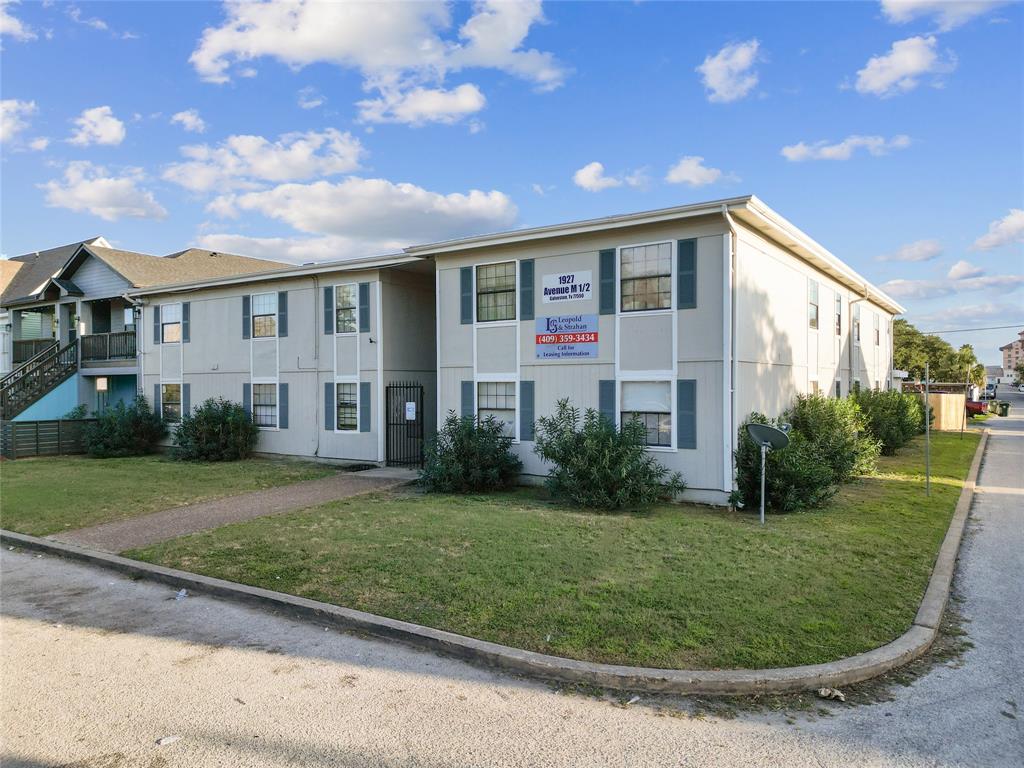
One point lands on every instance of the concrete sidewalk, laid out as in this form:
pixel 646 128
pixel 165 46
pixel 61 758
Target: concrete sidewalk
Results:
pixel 123 535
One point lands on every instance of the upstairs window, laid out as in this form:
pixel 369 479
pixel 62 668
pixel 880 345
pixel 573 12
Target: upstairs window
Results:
pixel 170 323
pixel 877 334
pixel 346 305
pixel 646 277
pixel 264 315
pixel 856 324
pixel 264 405
pixel 170 402
pixel 812 304
pixel 497 399
pixel 496 292
pixel 651 403
pixel 839 315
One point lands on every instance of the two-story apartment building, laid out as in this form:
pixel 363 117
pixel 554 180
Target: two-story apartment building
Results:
pixel 687 318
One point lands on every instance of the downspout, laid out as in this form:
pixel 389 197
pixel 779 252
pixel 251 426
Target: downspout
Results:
pixel 849 386
pixel 729 350
pixel 140 338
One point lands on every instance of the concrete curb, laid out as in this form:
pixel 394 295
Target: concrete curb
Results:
pixel 909 646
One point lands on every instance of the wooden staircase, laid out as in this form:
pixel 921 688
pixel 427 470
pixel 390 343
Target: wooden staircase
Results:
pixel 36 377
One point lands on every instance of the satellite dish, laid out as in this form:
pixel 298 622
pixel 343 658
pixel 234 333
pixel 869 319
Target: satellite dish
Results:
pixel 768 436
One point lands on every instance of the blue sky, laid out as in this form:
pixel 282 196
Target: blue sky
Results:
pixel 892 132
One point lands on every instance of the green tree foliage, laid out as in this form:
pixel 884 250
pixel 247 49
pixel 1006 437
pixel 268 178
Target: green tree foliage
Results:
pixel 912 349
pixel 218 430
pixel 469 456
pixel 131 430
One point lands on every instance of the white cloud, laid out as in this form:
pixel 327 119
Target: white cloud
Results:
pixel 243 161
pixel 963 270
pixel 967 314
pixel 374 210
pixel 87 187
pixel 75 14
pixel 299 250
pixel 310 98
pixel 98 126
pixel 190 121
pixel 13 27
pixel 949 14
pixel 729 74
pixel 691 170
pixel 418 106
pixel 901 69
pixel 398 47
pixel 1004 231
pixel 39 144
pixel 919 250
pixel 932 289
pixel 591 177
pixel 14 117
pixel 844 150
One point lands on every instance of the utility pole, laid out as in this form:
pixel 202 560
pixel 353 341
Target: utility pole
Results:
pixel 927 434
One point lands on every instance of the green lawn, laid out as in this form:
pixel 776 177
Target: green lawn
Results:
pixel 47 495
pixel 682 586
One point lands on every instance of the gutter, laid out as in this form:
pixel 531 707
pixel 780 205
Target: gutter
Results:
pixel 729 350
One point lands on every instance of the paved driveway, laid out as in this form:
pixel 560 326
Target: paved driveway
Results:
pixel 97 668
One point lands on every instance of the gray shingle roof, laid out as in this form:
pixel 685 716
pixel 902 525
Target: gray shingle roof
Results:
pixel 22 276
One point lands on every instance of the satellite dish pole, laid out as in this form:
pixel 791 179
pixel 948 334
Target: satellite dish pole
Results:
pixel 767 437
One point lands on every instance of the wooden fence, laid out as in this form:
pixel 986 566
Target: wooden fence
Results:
pixel 59 437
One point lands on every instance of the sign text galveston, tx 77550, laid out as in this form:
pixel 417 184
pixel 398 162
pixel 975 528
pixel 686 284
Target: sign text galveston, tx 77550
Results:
pixel 565 337
pixel 567 286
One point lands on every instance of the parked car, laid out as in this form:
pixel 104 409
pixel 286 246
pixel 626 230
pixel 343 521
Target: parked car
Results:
pixel 975 408
pixel 1020 388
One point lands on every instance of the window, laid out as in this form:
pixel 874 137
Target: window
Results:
pixel 348 406
pixel 129 319
pixel 264 315
pixel 346 304
pixel 170 402
pixel 856 386
pixel 496 292
pixel 815 390
pixel 497 399
pixel 646 277
pixel 812 304
pixel 839 315
pixel 877 337
pixel 839 388
pixel 170 323
pixel 856 324
pixel 264 404
pixel 651 403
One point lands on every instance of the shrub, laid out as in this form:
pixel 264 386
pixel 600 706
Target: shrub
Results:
pixel 80 411
pixel 469 455
pixel 835 427
pixel 597 465
pixel 797 478
pixel 891 417
pixel 218 430
pixel 125 430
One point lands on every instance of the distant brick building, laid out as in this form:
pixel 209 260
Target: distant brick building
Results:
pixel 1013 353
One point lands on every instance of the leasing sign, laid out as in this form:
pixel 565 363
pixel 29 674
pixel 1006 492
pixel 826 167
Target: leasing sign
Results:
pixel 567 286
pixel 566 337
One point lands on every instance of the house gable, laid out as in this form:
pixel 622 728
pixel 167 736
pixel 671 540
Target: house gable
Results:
pixel 96 279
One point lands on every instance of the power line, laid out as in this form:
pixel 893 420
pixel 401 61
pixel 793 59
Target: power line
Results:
pixel 969 330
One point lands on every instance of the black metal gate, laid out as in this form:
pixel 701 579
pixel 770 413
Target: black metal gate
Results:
pixel 404 441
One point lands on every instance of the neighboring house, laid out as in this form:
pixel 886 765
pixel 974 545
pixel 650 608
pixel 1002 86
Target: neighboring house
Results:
pixel 992 374
pixel 1013 353
pixel 73 328
pixel 687 318
pixel 313 352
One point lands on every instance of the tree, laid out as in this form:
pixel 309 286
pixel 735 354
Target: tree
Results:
pixel 912 349
pixel 1019 370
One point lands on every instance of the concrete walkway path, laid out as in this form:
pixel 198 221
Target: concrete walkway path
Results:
pixel 142 531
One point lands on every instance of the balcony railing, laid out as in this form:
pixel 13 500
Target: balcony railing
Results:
pixel 108 346
pixel 25 349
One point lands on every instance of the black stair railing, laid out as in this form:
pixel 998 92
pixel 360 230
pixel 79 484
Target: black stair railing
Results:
pixel 37 377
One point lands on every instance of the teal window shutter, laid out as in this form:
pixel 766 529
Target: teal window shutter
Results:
pixel 247 398
pixel 329 412
pixel 282 314
pixel 606 282
pixel 246 316
pixel 466 295
pixel 686 413
pixel 329 309
pixel 364 406
pixel 156 399
pixel 186 311
pixel 364 307
pixel 526 410
pixel 467 399
pixel 186 399
pixel 156 323
pixel 282 406
pixel 686 274
pixel 526 289
pixel 606 399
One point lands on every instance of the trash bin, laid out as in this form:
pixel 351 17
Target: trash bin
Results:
pixel 993 407
pixel 1004 408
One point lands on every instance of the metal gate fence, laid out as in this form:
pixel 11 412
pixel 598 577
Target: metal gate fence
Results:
pixel 404 424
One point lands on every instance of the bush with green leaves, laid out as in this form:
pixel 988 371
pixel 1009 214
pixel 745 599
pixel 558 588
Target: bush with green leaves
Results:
pixel 80 411
pixel 469 455
pixel 836 429
pixel 892 417
pixel 595 464
pixel 125 430
pixel 796 479
pixel 218 430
